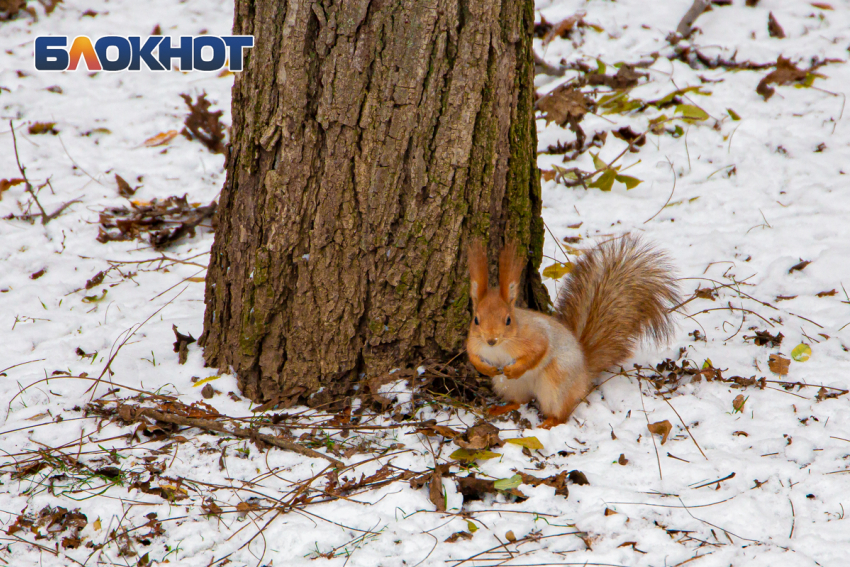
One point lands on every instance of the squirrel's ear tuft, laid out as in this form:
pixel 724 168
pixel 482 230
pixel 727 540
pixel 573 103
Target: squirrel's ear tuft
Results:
pixel 478 283
pixel 511 264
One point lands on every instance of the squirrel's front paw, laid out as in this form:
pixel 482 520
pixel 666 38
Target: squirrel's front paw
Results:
pixel 511 372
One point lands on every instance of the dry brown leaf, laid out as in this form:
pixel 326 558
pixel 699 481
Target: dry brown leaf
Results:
pixel 481 436
pixel 785 72
pixel 564 105
pixel 5 184
pixel 829 293
pixel 773 27
pixel 662 428
pixel 160 139
pixel 778 364
pixel 42 128
pixel 510 536
pixel 622 460
pixel 562 28
pixel 738 402
pixel 822 5
pixel 458 535
pixel 124 188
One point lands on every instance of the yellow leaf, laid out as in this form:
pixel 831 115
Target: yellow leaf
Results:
pixel 734 115
pixel 508 483
pixel 160 139
pixel 197 279
pixel 97 526
pixel 557 270
pixel 532 443
pixel 94 298
pixel 470 525
pixel 692 112
pixel 801 352
pixel 205 380
pixel 605 181
pixel 627 180
pixel 469 456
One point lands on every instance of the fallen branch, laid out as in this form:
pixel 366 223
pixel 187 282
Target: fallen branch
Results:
pixel 697 8
pixel 45 218
pixel 137 413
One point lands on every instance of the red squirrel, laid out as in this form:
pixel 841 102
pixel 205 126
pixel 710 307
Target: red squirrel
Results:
pixel 617 294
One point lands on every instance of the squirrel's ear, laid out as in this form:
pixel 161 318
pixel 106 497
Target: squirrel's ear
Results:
pixel 510 271
pixel 477 260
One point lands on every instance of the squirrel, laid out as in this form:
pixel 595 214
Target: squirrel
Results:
pixel 617 294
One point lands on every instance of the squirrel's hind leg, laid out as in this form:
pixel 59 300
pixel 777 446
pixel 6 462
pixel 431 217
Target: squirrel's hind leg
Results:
pixel 560 392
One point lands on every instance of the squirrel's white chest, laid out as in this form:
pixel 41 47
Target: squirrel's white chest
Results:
pixel 495 355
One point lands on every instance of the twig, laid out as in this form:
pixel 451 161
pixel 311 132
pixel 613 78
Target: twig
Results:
pixel 718 481
pixel 45 218
pixel 686 428
pixel 793 518
pixel 139 412
pixel 697 8
pixel 646 417
pixel 673 171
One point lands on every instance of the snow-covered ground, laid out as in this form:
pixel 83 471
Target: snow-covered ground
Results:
pixel 746 200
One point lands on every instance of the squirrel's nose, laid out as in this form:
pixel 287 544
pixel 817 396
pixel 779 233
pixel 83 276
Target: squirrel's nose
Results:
pixel 491 342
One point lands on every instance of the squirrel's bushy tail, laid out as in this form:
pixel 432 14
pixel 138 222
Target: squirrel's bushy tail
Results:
pixel 617 294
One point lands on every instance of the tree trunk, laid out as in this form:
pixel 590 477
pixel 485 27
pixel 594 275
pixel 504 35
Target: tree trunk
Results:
pixel 371 140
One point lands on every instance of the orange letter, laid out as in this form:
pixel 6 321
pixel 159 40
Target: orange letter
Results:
pixel 82 46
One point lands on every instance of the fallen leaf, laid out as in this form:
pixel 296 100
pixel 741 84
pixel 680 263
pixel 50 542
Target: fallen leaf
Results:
pixel 691 112
pixel 203 125
pixel 822 6
pixel 470 456
pixel 42 128
pixel 124 188
pixel 738 403
pixel 622 460
pixel 829 293
pixel 457 536
pixel 197 279
pixel 662 428
pixel 785 72
pixel 508 483
pixel 481 436
pixel 799 267
pixel 557 270
pixel 734 115
pixel 532 443
pixel 5 184
pixel 510 536
pixel 802 352
pixel 160 139
pixel 778 364
pixel 95 298
pixel 773 27
pixel 564 105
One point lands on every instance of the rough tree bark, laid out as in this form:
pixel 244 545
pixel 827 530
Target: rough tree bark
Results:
pixel 371 140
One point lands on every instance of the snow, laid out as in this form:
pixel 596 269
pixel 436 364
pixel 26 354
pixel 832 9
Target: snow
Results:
pixel 785 202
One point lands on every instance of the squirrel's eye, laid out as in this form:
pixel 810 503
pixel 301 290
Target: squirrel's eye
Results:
pixel 476 319
pixel 508 321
